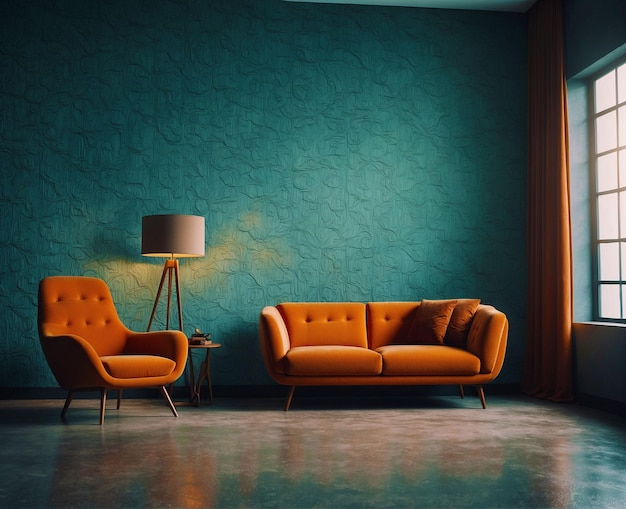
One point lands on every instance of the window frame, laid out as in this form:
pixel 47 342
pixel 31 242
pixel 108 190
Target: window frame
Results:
pixel 595 195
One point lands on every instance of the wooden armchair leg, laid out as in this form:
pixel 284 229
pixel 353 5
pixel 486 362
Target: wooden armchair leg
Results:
pixel 68 400
pixel 103 404
pixel 166 395
pixel 119 398
pixel 462 391
pixel 289 397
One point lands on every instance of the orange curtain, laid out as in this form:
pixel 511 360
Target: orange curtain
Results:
pixel 548 366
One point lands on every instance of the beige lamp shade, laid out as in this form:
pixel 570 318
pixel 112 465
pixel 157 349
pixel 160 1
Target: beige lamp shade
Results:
pixel 172 235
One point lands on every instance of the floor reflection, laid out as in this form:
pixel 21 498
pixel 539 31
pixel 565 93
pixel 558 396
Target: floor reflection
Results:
pixel 240 454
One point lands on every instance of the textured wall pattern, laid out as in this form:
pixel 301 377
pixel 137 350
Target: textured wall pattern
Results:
pixel 337 153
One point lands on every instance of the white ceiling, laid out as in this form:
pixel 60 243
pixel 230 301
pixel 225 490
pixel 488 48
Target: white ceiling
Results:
pixel 481 5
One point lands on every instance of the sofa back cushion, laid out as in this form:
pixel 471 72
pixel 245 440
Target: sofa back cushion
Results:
pixel 429 324
pixel 388 321
pixel 460 322
pixel 440 321
pixel 325 323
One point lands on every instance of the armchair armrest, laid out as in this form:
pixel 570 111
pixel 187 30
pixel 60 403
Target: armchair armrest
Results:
pixel 275 341
pixel 74 362
pixel 172 344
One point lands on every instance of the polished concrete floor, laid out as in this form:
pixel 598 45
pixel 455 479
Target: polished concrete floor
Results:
pixel 431 452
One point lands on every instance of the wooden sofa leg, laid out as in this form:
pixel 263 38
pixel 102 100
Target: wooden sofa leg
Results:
pixel 68 400
pixel 481 395
pixel 119 398
pixel 289 397
pixel 462 391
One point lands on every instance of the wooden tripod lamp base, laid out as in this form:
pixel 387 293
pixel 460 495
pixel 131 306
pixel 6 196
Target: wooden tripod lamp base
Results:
pixel 170 269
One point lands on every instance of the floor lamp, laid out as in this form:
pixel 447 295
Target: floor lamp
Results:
pixel 171 236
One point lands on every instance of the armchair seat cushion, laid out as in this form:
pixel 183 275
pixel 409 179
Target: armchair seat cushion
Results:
pixel 424 360
pixel 332 360
pixel 137 366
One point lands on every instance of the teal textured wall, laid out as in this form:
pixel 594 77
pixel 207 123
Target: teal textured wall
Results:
pixel 337 153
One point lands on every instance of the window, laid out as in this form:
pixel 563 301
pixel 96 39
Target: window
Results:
pixel 608 95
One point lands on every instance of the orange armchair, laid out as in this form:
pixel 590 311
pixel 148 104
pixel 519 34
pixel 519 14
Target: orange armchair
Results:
pixel 88 347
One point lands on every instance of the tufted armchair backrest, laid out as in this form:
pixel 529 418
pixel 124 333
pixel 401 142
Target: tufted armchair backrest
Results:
pixel 81 306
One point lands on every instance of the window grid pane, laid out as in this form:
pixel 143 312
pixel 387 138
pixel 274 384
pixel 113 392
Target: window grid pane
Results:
pixel 621 126
pixel 606 132
pixel 622 214
pixel 608 260
pixel 621 83
pixel 605 92
pixel 607 216
pixel 607 172
pixel 610 306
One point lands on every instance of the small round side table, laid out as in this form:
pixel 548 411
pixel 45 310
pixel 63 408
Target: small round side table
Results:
pixel 204 373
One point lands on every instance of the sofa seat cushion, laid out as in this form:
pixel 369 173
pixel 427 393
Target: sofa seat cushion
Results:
pixel 332 360
pixel 137 366
pixel 428 360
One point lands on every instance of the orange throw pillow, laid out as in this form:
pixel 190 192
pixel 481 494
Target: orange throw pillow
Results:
pixel 460 322
pixel 430 322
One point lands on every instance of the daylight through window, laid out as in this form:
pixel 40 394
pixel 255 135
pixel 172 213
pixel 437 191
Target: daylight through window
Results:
pixel 609 134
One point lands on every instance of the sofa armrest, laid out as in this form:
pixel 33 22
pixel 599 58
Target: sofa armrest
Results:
pixel 487 338
pixel 275 341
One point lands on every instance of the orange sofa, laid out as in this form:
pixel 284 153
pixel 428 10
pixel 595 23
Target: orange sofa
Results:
pixel 431 342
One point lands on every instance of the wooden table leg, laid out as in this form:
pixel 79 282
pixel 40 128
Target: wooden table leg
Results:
pixel 193 392
pixel 205 374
